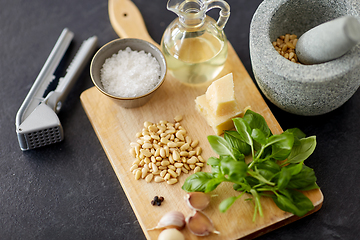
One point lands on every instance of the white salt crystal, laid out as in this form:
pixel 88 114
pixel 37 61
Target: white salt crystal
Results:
pixel 130 73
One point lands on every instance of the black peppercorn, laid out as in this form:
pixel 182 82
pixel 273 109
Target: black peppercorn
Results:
pixel 157 201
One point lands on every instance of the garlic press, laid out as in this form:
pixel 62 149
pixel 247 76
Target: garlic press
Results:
pixel 37 123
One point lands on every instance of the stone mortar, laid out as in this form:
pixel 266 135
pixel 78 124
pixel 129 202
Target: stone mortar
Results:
pixel 296 88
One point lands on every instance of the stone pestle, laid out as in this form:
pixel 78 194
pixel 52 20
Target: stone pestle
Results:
pixel 328 41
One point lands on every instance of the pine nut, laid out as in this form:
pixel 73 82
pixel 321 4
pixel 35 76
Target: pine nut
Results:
pixel 136 162
pixel 198 151
pixel 194 143
pixel 153 128
pixel 179 135
pixel 162 152
pixel 285 45
pixel 171 160
pixel 192 160
pixel 184 170
pixel 154 168
pixel 163 173
pixel 155 137
pixel 184 154
pixel 157 152
pixel 197 169
pixel 176 156
pixel 178 171
pixel 147 145
pixel 172 144
pixel 201 159
pixel 167 176
pixel 167 151
pixel 172 167
pixel 172 181
pixel 134 144
pixel 184 147
pixel 192 166
pixel 172 173
pixel 165 163
pixel 133 167
pixel 159 179
pixel 287 38
pixel 144 172
pixel 178 165
pixel 164 140
pixel 147 153
pixel 178 118
pixel 137 174
pixel 149 177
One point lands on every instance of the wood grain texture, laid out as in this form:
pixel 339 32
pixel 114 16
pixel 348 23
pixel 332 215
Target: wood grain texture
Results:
pixel 116 128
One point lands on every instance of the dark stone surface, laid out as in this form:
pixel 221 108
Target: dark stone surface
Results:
pixel 70 191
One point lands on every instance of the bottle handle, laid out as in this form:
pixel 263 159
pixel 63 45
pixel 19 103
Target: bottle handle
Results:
pixel 224 11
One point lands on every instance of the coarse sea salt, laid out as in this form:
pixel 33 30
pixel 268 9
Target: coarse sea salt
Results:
pixel 130 73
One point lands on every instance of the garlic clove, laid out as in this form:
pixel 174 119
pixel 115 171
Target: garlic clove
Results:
pixel 200 224
pixel 172 219
pixel 197 200
pixel 171 234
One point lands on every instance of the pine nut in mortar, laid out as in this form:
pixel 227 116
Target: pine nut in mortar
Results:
pixel 130 73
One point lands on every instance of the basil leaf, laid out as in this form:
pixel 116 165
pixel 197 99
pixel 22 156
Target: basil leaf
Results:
pixel 281 145
pixel 309 187
pixel 303 150
pixel 244 130
pixel 266 174
pixel 294 202
pixel 234 169
pixel 234 139
pixel 294 168
pixel 213 161
pixel 226 204
pixel 220 146
pixel 284 178
pixel 258 136
pixel 252 181
pixel 197 182
pixel 256 121
pixel 303 179
pixel 298 134
pixel 212 184
pixel 268 165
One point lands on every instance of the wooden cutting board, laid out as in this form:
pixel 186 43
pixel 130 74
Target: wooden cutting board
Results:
pixel 116 128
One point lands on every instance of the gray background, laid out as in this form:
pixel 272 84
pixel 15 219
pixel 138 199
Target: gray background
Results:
pixel 70 191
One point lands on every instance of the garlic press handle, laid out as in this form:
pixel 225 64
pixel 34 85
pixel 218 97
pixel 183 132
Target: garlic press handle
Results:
pixel 56 98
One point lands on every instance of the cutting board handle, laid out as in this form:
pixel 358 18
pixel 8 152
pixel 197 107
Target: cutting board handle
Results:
pixel 127 20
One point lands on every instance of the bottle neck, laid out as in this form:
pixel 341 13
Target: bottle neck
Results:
pixel 192 20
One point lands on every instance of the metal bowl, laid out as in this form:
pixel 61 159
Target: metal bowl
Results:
pixel 115 46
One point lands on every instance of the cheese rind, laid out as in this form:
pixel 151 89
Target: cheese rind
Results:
pixel 221 97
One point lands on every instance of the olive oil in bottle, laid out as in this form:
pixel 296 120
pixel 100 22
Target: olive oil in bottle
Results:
pixel 194 45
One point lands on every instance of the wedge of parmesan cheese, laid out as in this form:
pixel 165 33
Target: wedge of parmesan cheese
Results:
pixel 221 97
pixel 218 105
pixel 218 123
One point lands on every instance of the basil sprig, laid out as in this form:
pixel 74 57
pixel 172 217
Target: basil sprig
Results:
pixel 277 168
